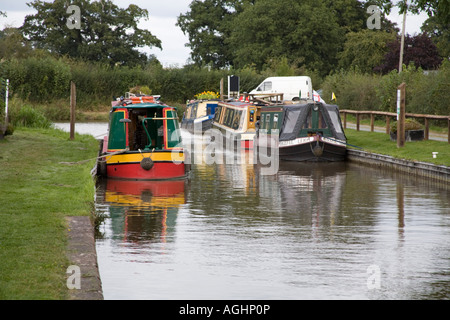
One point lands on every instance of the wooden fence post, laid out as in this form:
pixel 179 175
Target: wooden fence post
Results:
pixel 73 102
pixel 357 122
pixel 388 125
pixel 345 120
pixel 372 122
pixel 448 126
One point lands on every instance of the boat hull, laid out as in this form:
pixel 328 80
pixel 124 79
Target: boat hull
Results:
pixel 313 149
pixel 163 166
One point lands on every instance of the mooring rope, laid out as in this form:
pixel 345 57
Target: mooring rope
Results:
pixel 107 156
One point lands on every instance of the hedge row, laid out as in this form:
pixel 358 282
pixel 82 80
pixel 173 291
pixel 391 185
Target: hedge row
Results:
pixel 426 93
pixel 41 80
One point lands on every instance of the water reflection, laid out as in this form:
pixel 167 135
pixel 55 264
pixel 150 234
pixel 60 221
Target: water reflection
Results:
pixel 312 231
pixel 141 211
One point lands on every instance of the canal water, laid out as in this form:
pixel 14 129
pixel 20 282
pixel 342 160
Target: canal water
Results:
pixel 311 231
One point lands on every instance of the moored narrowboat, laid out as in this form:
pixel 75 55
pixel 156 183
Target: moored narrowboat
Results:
pixel 237 122
pixel 305 132
pixel 144 143
pixel 199 115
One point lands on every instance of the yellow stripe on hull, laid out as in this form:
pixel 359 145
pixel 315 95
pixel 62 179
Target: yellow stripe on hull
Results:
pixel 175 156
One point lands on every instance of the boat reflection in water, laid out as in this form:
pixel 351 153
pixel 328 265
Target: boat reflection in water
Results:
pixel 141 211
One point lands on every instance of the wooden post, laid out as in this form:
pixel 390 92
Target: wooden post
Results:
pixel 388 124
pixel 73 102
pixel 221 89
pixel 372 122
pixel 357 121
pixel 448 126
pixel 427 129
pixel 401 116
pixel 345 120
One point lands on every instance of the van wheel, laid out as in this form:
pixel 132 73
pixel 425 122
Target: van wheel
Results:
pixel 296 99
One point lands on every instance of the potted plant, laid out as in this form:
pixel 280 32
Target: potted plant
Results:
pixel 413 130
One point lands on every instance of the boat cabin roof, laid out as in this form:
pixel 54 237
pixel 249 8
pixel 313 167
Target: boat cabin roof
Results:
pixel 143 106
pixel 237 104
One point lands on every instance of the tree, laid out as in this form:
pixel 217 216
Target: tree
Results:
pixel 107 34
pixel 439 33
pixel 435 8
pixel 419 50
pixel 305 32
pixel 365 49
pixel 12 44
pixel 208 24
pixel 246 32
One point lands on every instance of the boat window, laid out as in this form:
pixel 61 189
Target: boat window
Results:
pixel 308 121
pixel 225 116
pixel 322 122
pixel 194 111
pixel 236 120
pixel 275 121
pixel 217 114
pixel 267 121
pixel 173 137
pixel 229 115
pixel 334 115
pixel 291 121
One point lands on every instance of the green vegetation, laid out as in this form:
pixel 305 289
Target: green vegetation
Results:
pixel 380 143
pixel 37 192
pixel 410 124
pixel 425 93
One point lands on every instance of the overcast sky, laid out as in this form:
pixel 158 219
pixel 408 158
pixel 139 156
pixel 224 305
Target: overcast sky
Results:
pixel 161 23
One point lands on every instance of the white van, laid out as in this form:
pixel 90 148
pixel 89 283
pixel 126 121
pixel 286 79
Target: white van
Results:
pixel 293 88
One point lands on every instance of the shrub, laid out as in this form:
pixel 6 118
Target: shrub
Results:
pixel 27 116
pixel 410 124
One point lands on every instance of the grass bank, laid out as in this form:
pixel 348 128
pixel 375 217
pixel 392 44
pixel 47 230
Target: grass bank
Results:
pixel 37 192
pixel 380 143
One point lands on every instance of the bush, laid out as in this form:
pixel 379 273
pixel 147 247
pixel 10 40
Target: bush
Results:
pixel 353 90
pixel 410 124
pixel 38 79
pixel 27 116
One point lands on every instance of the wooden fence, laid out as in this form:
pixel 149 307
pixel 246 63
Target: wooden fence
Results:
pixel 390 115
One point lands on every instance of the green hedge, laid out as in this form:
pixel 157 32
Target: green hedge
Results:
pixel 426 93
pixel 46 80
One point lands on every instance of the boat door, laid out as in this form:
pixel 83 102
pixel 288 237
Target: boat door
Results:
pixel 118 130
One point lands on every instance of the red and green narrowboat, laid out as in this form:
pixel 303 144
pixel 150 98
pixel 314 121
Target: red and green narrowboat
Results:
pixel 144 143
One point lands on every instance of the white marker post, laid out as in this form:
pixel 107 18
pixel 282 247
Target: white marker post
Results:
pixel 6 102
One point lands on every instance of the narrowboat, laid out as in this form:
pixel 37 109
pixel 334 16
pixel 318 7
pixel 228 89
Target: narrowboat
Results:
pixel 144 142
pixel 237 122
pixel 305 132
pixel 199 115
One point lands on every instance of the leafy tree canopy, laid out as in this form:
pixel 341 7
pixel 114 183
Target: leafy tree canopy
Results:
pixel 419 50
pixel 208 24
pixel 365 50
pixel 254 32
pixel 108 33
